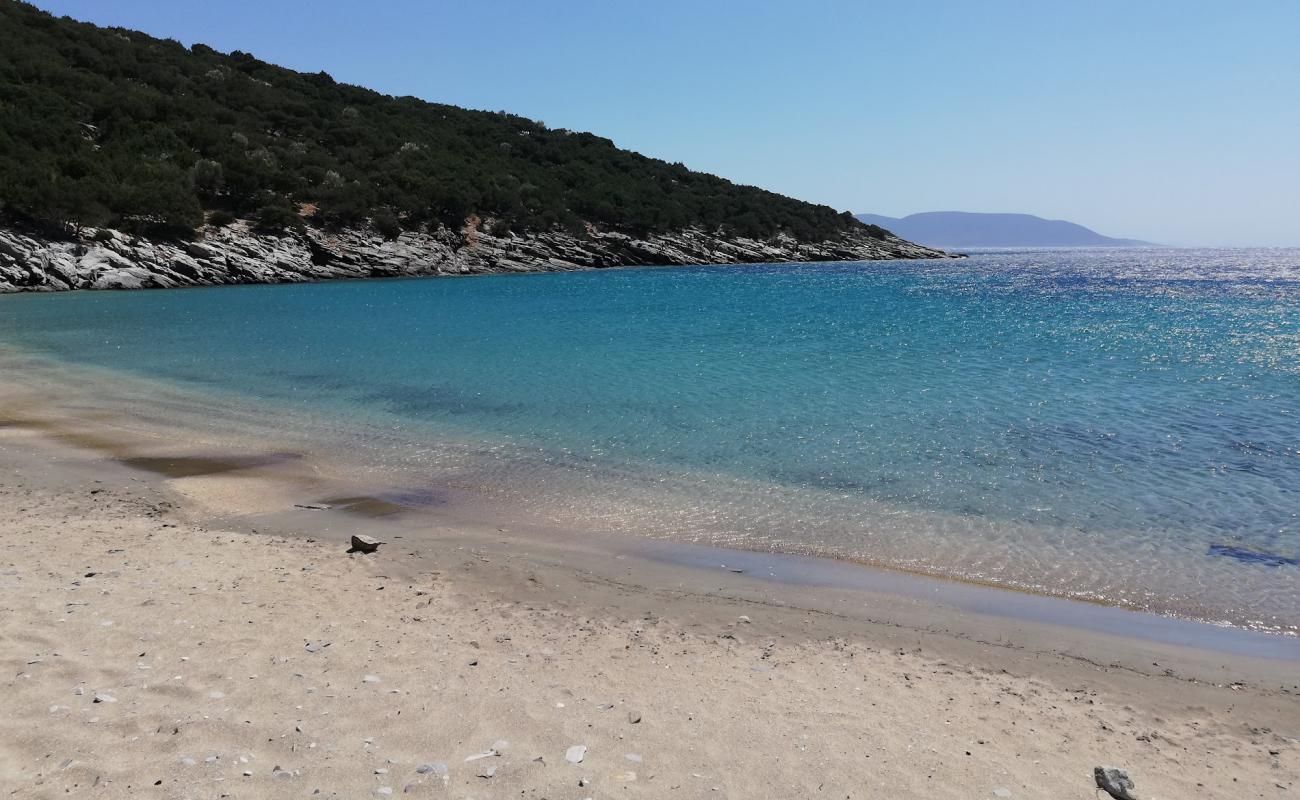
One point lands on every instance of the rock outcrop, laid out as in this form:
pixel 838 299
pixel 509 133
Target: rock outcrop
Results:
pixel 105 259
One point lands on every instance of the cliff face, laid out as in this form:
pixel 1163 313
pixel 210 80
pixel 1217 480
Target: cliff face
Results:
pixel 236 254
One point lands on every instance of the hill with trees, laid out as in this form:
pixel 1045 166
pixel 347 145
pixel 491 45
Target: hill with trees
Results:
pixel 111 127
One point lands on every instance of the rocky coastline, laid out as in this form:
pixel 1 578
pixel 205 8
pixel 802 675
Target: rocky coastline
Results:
pixel 235 254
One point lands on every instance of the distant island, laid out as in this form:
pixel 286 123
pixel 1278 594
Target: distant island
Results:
pixel 966 229
pixel 130 161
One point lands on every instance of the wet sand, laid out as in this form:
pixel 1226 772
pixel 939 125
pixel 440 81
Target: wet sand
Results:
pixel 237 650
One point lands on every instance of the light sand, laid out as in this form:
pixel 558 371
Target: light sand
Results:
pixel 117 584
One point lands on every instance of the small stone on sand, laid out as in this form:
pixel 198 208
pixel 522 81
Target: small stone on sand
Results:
pixel 1114 782
pixel 575 754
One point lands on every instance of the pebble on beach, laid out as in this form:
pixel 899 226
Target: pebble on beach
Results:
pixel 575 754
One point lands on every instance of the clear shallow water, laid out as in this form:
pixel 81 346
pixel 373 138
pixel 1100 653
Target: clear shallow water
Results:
pixel 1115 425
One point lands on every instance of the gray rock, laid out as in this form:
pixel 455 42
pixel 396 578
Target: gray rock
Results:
pixel 435 768
pixel 1001 791
pixel 575 754
pixel 634 717
pixel 103 697
pixel 316 647
pixel 1114 782
pixel 487 771
pixel 238 254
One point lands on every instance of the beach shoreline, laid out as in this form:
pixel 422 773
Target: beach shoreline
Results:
pixel 557 611
pixel 276 457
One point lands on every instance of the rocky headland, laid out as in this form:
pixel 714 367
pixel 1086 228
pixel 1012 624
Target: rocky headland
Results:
pixel 107 259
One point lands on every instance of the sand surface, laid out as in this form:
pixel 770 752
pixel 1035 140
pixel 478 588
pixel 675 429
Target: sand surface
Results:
pixel 151 651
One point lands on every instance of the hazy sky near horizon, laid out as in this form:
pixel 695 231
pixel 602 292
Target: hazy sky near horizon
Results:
pixel 1176 122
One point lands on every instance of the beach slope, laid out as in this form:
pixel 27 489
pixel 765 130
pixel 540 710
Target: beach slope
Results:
pixel 149 652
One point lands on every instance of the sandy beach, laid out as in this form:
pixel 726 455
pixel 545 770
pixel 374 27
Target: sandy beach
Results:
pixel 156 646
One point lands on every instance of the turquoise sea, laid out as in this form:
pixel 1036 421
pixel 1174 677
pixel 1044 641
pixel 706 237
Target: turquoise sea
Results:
pixel 1117 425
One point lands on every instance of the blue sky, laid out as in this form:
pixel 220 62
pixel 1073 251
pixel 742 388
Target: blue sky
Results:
pixel 1176 122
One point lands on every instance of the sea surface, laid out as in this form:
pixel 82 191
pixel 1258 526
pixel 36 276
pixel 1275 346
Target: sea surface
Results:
pixel 1121 426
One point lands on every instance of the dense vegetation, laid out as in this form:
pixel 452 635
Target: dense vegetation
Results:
pixel 112 127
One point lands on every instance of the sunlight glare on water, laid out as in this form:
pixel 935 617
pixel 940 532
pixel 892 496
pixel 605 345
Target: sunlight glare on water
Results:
pixel 1120 425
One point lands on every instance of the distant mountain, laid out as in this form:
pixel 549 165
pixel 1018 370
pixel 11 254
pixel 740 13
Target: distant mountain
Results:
pixel 965 229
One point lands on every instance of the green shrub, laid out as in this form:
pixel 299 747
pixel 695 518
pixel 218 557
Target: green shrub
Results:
pixel 386 224
pixel 276 218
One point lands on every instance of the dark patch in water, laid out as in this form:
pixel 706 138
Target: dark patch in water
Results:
pixel 193 466
pixel 1253 448
pixel 422 498
pixel 366 506
pixel 825 479
pixel 324 380
pixel 434 401
pixel 389 503
pixel 1248 556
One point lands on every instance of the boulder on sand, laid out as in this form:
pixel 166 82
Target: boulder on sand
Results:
pixel 364 544
pixel 1114 782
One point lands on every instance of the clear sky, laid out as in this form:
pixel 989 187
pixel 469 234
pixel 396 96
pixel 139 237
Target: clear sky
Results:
pixel 1176 122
